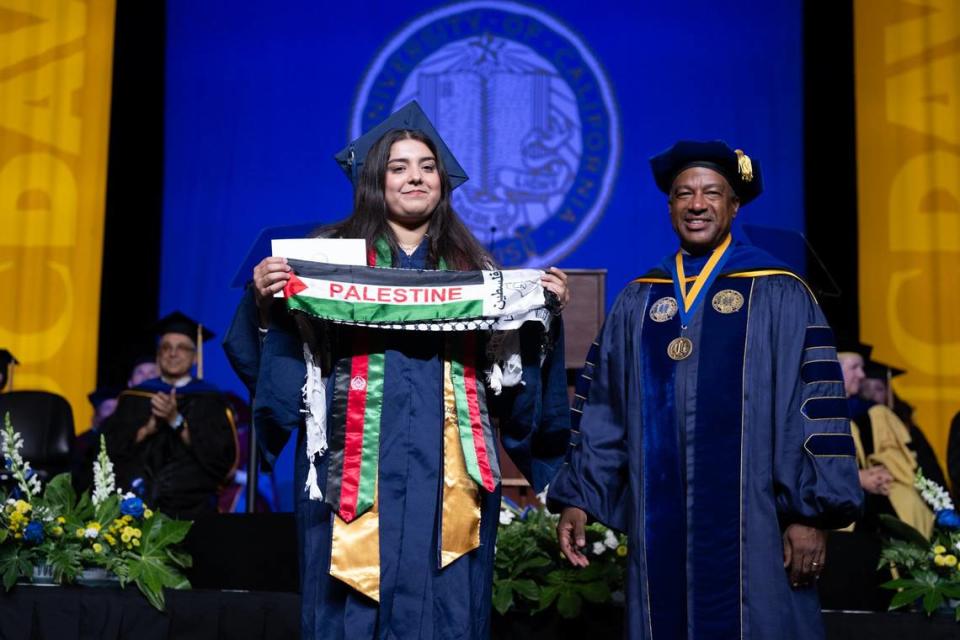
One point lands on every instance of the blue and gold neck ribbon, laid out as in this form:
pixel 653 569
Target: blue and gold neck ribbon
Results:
pixel 689 299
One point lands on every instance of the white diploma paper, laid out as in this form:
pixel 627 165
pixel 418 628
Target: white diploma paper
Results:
pixel 330 250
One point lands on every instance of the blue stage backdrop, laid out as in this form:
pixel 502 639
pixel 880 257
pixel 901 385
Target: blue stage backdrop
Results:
pixel 553 110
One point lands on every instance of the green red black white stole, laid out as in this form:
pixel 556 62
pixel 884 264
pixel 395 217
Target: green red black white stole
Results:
pixel 375 298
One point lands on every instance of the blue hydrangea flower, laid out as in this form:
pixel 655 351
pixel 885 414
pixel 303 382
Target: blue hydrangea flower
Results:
pixel 132 507
pixel 948 519
pixel 34 532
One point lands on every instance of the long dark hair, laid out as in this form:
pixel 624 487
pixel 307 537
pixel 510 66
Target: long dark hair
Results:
pixel 449 238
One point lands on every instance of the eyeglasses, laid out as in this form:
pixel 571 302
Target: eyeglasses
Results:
pixel 175 348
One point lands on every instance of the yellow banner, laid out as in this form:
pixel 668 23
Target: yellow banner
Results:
pixel 908 149
pixel 55 69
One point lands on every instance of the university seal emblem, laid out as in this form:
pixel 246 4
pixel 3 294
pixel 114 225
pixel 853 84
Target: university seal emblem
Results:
pixel 663 309
pixel 728 301
pixel 524 106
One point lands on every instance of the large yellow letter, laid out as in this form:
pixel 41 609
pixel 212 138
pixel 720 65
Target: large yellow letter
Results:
pixel 925 99
pixel 910 38
pixel 912 229
pixel 54 225
pixel 39 103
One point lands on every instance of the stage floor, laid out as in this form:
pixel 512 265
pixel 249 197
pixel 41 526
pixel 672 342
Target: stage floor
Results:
pixel 83 613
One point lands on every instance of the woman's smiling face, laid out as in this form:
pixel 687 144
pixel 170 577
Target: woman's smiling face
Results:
pixel 411 187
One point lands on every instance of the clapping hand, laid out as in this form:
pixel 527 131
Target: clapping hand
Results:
pixel 164 406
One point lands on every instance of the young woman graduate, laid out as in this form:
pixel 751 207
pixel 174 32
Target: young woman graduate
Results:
pixel 401 544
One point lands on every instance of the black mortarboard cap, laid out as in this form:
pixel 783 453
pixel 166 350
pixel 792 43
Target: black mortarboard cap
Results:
pixel 178 322
pixel 101 394
pixel 7 358
pixel 849 344
pixel 882 370
pixel 260 248
pixel 6 367
pixel 742 172
pixel 409 116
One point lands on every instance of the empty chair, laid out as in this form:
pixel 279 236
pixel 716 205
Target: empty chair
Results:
pixel 45 421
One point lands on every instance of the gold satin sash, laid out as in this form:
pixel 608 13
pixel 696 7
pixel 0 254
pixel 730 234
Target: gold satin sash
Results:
pixel 355 551
pixel 460 518
pixel 355 548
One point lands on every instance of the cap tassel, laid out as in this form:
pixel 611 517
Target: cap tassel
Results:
pixel 889 388
pixel 744 166
pixel 199 351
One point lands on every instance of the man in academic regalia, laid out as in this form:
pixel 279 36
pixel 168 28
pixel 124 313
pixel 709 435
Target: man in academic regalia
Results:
pixel 715 430
pixel 885 454
pixel 877 387
pixel 173 437
pixel 885 451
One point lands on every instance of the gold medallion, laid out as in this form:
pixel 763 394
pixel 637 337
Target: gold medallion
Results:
pixel 663 309
pixel 680 348
pixel 728 301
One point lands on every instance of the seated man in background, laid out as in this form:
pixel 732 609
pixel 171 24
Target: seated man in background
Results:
pixel 877 388
pixel 888 465
pixel 172 438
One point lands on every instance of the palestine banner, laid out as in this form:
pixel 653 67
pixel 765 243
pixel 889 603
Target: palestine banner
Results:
pixel 418 300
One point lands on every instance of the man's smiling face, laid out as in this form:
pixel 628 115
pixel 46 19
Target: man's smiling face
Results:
pixel 702 208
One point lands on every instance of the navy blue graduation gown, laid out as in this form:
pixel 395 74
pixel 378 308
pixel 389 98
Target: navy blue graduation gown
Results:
pixel 705 461
pixel 417 599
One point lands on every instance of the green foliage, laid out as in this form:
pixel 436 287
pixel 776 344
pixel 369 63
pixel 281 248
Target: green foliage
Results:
pixel 901 530
pixel 15 562
pixel 157 566
pixel 66 562
pixel 53 527
pixel 531 575
pixel 928 571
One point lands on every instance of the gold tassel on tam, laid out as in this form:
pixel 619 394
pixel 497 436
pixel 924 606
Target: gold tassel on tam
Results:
pixel 355 552
pixel 199 351
pixel 744 166
pixel 460 521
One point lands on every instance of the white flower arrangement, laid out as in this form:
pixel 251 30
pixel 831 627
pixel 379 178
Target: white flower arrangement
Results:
pixel 610 540
pixel 11 442
pixel 932 493
pixel 104 480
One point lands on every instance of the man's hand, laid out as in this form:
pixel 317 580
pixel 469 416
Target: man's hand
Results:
pixel 876 480
pixel 164 406
pixel 804 554
pixel 146 430
pixel 572 535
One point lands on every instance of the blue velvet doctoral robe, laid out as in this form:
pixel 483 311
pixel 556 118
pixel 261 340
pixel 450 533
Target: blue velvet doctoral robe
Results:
pixel 417 599
pixel 706 460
